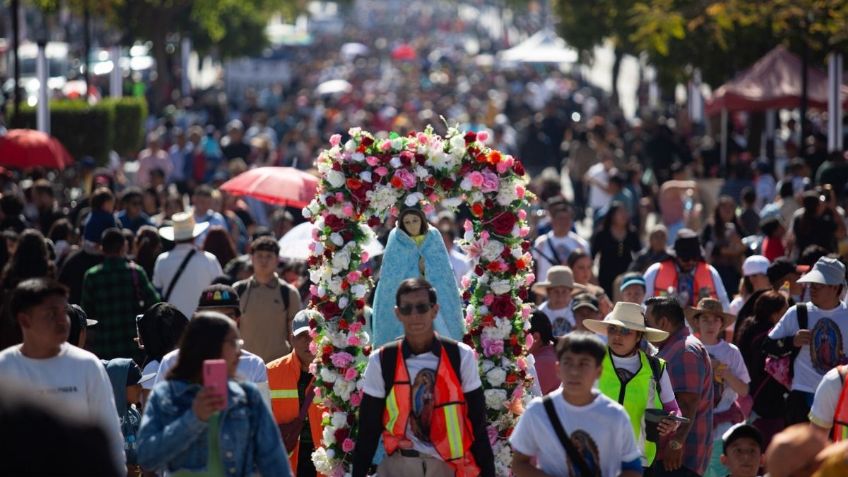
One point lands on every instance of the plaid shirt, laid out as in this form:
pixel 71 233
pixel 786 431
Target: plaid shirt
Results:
pixel 690 372
pixel 113 293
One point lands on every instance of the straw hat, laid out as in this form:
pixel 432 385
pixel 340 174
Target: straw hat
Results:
pixel 626 315
pixel 711 306
pixel 184 228
pixel 558 276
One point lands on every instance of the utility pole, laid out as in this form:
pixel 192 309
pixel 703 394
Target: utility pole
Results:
pixel 16 60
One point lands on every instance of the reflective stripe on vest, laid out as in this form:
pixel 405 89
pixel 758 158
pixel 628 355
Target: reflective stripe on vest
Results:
pixel 284 394
pixel 454 432
pixel 840 415
pixel 637 395
pixel 667 278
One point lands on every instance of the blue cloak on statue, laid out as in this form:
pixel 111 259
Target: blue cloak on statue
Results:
pixel 400 262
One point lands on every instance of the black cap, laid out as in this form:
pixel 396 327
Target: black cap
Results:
pixel 781 267
pixel 218 296
pixel 740 431
pixel 584 300
pixel 687 245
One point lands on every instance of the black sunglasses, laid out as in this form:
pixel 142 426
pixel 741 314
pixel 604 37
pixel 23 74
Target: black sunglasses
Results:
pixel 419 308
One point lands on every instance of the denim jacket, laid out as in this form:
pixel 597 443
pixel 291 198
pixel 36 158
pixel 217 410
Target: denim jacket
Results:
pixel 171 436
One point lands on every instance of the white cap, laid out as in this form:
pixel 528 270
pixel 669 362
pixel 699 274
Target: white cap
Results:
pixel 755 265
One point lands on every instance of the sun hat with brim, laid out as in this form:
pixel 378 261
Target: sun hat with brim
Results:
pixel 558 276
pixel 183 228
pixel 626 315
pixel 687 245
pixel 826 271
pixel 711 306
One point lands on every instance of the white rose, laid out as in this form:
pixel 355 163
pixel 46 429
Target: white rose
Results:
pixel 319 249
pixel 329 434
pixel 339 419
pixel 492 250
pixel 343 302
pixel 500 287
pixel 451 203
pixel 495 398
pixel 337 239
pixel 466 184
pixel 353 132
pixel 350 145
pixel 328 375
pixel 395 162
pixel 506 193
pixel 413 199
pixel 421 172
pixel 322 462
pixel 457 143
pixel 341 259
pixel 359 291
pixel 358 157
pixel 486 365
pixel 335 178
pixel 496 376
pixel 343 389
pixel 365 176
pixel 397 143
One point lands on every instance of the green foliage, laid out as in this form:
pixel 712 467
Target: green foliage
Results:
pixel 84 130
pixel 128 126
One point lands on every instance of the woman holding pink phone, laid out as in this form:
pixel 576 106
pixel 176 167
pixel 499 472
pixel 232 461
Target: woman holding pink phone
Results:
pixel 200 420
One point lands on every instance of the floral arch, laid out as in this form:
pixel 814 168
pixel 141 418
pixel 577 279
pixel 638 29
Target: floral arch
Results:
pixel 366 179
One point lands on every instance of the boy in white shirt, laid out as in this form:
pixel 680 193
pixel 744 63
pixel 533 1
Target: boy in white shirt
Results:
pixel 589 422
pixel 558 288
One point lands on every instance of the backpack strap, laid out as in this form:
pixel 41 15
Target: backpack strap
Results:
pixel 452 350
pixel 574 455
pixel 803 315
pixel 388 360
pixel 657 368
pixel 284 294
pixel 179 273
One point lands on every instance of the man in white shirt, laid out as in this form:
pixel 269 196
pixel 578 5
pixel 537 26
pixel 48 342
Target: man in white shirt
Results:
pixel 554 247
pixel 72 378
pixel 181 274
pixel 822 341
pixel 598 178
pixel 460 263
pixel 558 288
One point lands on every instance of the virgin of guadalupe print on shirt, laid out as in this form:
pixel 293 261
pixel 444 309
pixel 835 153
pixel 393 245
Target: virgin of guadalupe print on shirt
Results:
pixel 422 395
pixel 826 347
pixel 588 449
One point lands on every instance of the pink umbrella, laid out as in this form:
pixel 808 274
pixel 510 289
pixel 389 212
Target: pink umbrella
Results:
pixel 285 186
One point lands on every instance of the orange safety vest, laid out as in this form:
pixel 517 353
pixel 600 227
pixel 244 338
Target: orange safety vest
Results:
pixel 450 429
pixel 667 278
pixel 283 375
pixel 840 415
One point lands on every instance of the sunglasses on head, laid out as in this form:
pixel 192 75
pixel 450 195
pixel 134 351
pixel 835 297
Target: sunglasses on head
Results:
pixel 419 308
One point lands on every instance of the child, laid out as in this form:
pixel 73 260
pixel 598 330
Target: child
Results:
pixel 730 379
pixel 102 215
pixel 743 450
pixel 125 376
pixel 587 424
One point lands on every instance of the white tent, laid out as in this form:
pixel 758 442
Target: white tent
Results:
pixel 543 47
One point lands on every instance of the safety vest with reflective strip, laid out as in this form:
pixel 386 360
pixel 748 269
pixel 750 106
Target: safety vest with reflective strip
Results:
pixel 840 416
pixel 450 429
pixel 636 395
pixel 702 287
pixel 283 375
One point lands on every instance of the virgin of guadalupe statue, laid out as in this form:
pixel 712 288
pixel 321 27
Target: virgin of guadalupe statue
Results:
pixel 415 249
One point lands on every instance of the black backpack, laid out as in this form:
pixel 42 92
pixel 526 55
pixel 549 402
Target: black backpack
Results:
pixel 241 286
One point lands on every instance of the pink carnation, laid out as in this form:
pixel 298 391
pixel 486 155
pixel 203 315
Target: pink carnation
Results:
pixel 354 328
pixel 365 256
pixel 313 347
pixel 351 374
pixel 523 231
pixel 429 209
pixel 317 391
pixel 341 359
pixel 521 362
pixel 348 445
pixel 525 312
pixel 529 279
pixel 348 209
pixel 372 161
pixel 488 299
pixel 492 347
pixel 313 290
pixel 354 341
pixel 335 139
pixel 354 276
pixel 465 281
pixel 492 431
pixel 386 146
pixel 476 178
pixel 381 171
pixel 422 138
pixel 356 398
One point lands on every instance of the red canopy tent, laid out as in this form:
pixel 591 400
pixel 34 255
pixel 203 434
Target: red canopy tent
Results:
pixel 773 82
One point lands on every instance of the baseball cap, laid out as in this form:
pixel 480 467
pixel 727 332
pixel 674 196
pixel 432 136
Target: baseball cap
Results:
pixel 300 323
pixel 781 267
pixel 584 300
pixel 133 374
pixel 633 278
pixel 687 245
pixel 740 431
pixel 218 296
pixel 826 271
pixel 755 265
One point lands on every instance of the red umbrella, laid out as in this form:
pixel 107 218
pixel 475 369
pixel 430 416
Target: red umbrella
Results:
pixel 27 148
pixel 404 52
pixel 275 185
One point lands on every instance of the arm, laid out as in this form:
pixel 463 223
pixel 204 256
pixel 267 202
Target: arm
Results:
pixel 160 439
pixel 522 467
pixel 101 400
pixel 148 291
pixel 481 449
pixel 720 290
pixel 370 417
pixel 271 457
pixel 741 387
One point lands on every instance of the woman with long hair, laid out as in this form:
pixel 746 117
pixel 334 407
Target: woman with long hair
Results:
pixel 723 242
pixel 146 247
pixel 159 330
pixel 30 260
pixel 616 241
pixel 187 426
pixel 219 244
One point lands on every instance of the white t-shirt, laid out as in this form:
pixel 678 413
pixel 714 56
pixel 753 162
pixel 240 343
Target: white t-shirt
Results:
pixel 736 305
pixel 651 278
pixel 76 380
pixel 250 368
pixel 549 247
pixel 460 263
pixel 723 395
pixel 826 400
pixel 422 371
pixel 631 364
pixel 197 275
pixel 596 429
pixel 598 197
pixel 150 368
pixel 562 319
pixel 829 330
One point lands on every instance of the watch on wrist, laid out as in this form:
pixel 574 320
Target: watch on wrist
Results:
pixel 675 445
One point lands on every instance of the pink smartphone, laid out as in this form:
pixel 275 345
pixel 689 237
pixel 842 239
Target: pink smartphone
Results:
pixel 215 377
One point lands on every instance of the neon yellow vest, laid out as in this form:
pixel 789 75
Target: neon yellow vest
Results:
pixel 638 394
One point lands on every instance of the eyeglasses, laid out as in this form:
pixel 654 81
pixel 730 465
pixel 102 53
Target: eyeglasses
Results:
pixel 618 330
pixel 419 308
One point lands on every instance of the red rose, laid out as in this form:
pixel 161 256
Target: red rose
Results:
pixel 420 158
pixel 503 306
pixel 406 158
pixel 331 309
pixel 477 210
pixel 511 378
pixel 360 303
pixel 470 137
pixel 347 235
pixel 466 295
pixel 518 168
pixel 335 223
pixel 525 245
pixel 478 270
pixel 367 141
pixel 341 434
pixel 343 325
pixel 522 293
pixel 336 166
pixel 447 183
pixel 430 181
pixel 331 201
pixel 374 221
pixel 503 223
pixel 327 350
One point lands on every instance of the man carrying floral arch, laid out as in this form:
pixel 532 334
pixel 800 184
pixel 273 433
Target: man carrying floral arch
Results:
pixel 423 394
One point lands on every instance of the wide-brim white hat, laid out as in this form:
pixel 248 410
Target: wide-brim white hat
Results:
pixel 183 228
pixel 626 315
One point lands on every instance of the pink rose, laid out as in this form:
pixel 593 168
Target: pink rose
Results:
pixel 381 171
pixel 406 178
pixel 341 359
pixel 492 347
pixel 468 226
pixel 354 276
pixel 529 279
pixel 365 256
pixel 354 341
pixel 335 139
pixel 348 209
pixel 422 138
pixel 483 136
pixel 313 290
pixel 354 328
pixel 522 214
pixel 523 231
pixel 386 146
pixel 488 299
pixel 313 347
pixel 520 191
pixel 521 362
pixel 429 209
pixel 525 313
pixel 518 393
pixel 351 374
pixel 476 179
pixel 465 281
pixel 356 398
pixel 347 445
pixel 490 182
pixel 372 161
pixel 317 391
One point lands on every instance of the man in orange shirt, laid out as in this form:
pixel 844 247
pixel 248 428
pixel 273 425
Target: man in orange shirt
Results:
pixel 293 398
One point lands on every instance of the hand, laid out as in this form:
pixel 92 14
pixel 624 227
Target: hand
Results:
pixel 802 338
pixel 207 403
pixel 667 427
pixel 673 459
pixel 720 370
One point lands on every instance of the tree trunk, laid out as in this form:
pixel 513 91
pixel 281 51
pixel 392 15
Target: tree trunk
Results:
pixel 616 69
pixel 164 78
